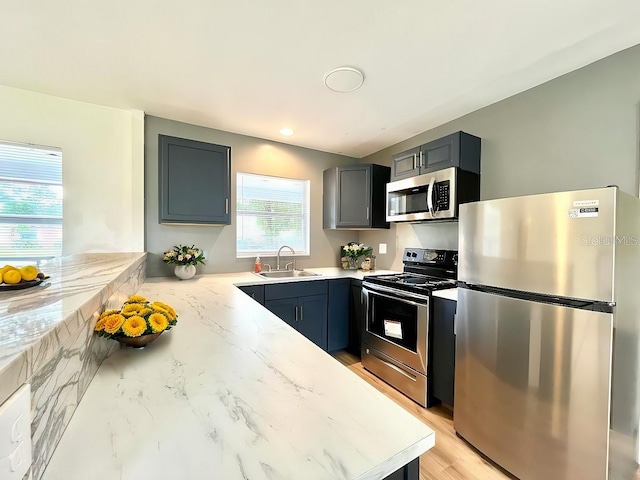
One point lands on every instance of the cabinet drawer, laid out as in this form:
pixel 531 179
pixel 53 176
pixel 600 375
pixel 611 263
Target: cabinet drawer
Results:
pixel 295 289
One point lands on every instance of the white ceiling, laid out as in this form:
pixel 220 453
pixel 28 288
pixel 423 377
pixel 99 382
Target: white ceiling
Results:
pixel 252 67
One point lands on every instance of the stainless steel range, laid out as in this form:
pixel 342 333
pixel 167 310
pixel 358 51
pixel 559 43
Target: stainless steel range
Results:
pixel 395 341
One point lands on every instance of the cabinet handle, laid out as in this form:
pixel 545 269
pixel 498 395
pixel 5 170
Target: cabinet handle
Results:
pixel 455 323
pixel 295 313
pixel 301 315
pixel 367 213
pixel 415 161
pixel 420 163
pixel 226 206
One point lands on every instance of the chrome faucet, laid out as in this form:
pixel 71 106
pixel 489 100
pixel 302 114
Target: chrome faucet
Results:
pixel 278 257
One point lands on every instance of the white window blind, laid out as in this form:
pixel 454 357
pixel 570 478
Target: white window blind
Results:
pixel 271 212
pixel 30 202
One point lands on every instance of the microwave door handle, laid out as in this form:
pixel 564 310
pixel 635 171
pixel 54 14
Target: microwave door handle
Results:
pixel 430 196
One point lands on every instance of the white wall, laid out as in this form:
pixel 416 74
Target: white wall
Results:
pixel 103 165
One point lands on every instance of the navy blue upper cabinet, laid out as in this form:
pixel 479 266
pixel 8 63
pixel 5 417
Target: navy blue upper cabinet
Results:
pixel 194 182
pixel 459 149
pixel 353 197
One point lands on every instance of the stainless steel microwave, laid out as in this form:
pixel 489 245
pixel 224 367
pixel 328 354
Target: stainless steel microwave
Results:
pixel 432 196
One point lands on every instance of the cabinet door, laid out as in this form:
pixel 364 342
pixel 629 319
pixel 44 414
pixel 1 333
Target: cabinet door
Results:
pixel 356 317
pixel 441 153
pixel 338 315
pixel 443 351
pixel 285 308
pixel 354 194
pixel 194 182
pixel 312 319
pixel 459 149
pixel 405 164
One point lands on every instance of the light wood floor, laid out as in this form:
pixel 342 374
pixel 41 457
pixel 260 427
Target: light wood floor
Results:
pixel 451 458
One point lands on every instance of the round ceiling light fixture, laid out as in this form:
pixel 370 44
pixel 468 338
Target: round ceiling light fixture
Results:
pixel 344 79
pixel 287 131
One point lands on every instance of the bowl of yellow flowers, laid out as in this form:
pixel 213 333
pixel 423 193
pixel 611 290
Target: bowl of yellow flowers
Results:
pixel 137 323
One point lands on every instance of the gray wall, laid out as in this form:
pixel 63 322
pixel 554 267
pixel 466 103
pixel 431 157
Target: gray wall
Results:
pixel 577 131
pixel 248 154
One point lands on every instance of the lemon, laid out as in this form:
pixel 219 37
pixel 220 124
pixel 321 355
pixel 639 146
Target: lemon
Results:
pixel 0 277
pixel 28 273
pixel 7 267
pixel 12 276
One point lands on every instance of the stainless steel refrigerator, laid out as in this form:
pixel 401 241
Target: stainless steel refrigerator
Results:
pixel 546 379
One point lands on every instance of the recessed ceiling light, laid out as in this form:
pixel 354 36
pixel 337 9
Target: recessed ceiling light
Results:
pixel 344 79
pixel 287 131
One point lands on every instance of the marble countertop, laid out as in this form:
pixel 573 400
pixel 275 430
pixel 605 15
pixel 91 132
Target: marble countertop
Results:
pixel 34 322
pixel 232 392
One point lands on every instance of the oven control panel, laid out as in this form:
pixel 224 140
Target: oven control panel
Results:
pixel 425 255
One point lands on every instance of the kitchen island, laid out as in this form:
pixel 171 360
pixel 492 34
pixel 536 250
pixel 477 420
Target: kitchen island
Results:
pixel 232 392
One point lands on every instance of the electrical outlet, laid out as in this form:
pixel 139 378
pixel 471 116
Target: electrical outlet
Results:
pixel 382 248
pixel 15 435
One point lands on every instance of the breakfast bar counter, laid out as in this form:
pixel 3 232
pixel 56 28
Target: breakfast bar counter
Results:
pixel 232 392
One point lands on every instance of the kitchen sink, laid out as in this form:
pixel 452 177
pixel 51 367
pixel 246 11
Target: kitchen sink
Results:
pixel 287 274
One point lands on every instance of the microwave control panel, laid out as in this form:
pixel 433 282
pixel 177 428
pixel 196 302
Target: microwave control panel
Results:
pixel 441 194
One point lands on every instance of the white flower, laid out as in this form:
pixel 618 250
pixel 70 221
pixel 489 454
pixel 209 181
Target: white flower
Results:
pixel 180 258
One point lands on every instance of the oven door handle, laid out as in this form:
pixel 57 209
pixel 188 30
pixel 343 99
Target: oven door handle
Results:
pixel 399 297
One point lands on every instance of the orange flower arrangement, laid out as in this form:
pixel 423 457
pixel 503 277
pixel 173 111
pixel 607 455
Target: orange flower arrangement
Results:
pixel 137 317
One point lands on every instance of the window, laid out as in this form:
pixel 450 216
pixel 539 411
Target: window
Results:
pixel 271 212
pixel 30 202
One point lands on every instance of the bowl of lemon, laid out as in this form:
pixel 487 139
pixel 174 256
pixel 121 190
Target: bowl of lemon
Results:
pixel 16 278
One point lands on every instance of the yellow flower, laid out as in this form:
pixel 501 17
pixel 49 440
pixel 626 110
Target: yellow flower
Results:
pixel 100 324
pixel 131 309
pixel 136 299
pixel 109 312
pixel 164 308
pixel 112 323
pixel 134 326
pixel 145 311
pixel 158 322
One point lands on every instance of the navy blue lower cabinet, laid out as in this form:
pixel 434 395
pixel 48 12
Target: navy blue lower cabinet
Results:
pixel 338 324
pixel 356 317
pixel 285 308
pixel 303 305
pixel 443 350
pixel 254 291
pixel 312 319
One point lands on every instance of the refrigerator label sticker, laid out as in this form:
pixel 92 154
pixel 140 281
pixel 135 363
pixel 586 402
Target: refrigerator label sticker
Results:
pixel 583 212
pixel 586 203
pixel 393 329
